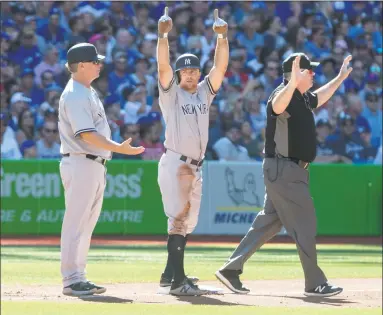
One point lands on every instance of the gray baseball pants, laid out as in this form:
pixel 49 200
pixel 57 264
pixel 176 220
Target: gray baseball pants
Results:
pixel 287 203
pixel 84 183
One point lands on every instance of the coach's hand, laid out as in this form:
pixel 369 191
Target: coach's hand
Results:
pixel 165 23
pixel 345 70
pixel 219 26
pixel 297 75
pixel 126 148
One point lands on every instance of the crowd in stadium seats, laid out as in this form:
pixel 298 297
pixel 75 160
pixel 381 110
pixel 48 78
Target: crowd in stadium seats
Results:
pixel 35 36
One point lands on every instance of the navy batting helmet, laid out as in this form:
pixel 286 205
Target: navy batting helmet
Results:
pixel 186 61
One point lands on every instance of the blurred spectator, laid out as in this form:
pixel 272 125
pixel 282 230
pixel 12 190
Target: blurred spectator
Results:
pixel 356 80
pixel 215 130
pixel 136 104
pixel 252 36
pixel 378 158
pixel 9 147
pixel 142 76
pixel 325 152
pixel 129 131
pixel 19 104
pixel 261 35
pixel 119 75
pixel 348 143
pixel 30 89
pixel 354 109
pixel 28 54
pixel 50 62
pixel 28 149
pixel 369 152
pixel 229 148
pixel 26 127
pixel 253 143
pixel 256 114
pixel 373 114
pixel 47 147
pixel 150 137
pixel 52 32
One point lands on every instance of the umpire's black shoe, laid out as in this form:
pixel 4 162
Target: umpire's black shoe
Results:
pixel 230 278
pixel 324 290
pixel 83 288
pixel 167 282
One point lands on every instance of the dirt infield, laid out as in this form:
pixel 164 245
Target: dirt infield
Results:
pixel 358 293
pixel 9 240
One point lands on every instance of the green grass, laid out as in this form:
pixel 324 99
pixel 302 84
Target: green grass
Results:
pixel 45 308
pixel 41 265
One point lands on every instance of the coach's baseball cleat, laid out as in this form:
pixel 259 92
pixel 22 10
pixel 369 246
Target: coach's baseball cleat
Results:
pixel 186 287
pixel 99 290
pixel 167 282
pixel 324 290
pixel 83 288
pixel 230 278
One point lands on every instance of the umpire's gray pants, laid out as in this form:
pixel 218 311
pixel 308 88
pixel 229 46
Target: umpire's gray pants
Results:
pixel 287 202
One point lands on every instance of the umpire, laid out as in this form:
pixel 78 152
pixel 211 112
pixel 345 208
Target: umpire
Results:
pixel 290 147
pixel 86 147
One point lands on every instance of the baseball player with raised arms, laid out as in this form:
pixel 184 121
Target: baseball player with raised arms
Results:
pixel 86 146
pixel 185 106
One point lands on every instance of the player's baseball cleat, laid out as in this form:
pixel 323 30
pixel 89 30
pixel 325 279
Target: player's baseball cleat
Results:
pixel 167 282
pixel 99 290
pixel 83 288
pixel 186 288
pixel 230 278
pixel 324 290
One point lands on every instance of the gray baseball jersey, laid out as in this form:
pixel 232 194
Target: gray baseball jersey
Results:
pixel 80 110
pixel 186 118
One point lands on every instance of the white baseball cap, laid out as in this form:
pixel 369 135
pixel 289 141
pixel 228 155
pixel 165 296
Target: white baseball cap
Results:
pixel 20 97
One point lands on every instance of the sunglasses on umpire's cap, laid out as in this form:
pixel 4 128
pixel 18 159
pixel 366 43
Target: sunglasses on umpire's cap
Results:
pixel 83 52
pixel 305 62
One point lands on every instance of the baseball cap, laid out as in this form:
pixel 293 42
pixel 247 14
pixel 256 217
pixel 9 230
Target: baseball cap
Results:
pixel 154 116
pixel 305 62
pixel 323 122
pixel 83 52
pixel 27 71
pixel 371 96
pixel 26 145
pixel 20 97
pixel 372 78
pixel 5 36
pixel 95 38
pixel 364 128
pixel 343 118
pixel 111 99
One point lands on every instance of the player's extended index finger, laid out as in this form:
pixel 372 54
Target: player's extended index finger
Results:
pixel 166 11
pixel 348 59
pixel 215 14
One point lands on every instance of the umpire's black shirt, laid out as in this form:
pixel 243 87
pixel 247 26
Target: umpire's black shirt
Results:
pixel 292 133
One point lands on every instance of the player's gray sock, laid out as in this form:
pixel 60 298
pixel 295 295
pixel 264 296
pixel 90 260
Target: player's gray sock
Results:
pixel 176 246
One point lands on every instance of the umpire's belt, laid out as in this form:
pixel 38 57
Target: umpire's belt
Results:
pixel 186 159
pixel 91 157
pixel 301 163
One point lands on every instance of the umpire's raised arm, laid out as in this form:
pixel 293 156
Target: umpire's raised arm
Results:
pixel 165 72
pixel 221 57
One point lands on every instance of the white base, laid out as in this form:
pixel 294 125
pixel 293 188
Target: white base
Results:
pixel 212 290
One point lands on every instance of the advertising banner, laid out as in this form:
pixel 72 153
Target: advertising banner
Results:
pixel 32 199
pixel 232 197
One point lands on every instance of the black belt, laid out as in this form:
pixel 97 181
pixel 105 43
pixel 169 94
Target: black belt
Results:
pixel 91 157
pixel 299 162
pixel 184 158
